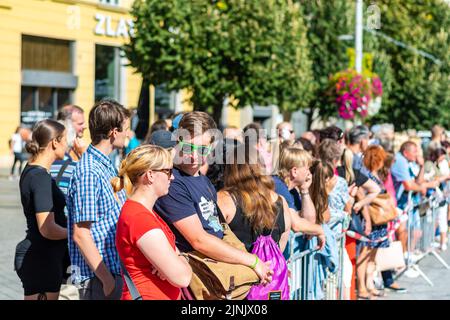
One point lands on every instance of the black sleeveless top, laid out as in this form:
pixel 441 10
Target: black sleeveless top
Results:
pixel 241 227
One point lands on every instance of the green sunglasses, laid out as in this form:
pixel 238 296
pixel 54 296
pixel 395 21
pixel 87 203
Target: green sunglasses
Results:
pixel 189 148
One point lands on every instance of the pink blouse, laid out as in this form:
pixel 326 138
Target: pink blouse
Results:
pixel 389 185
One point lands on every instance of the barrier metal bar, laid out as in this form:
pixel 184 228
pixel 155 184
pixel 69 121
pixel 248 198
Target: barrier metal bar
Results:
pixel 409 263
pixel 302 265
pixel 334 282
pixel 428 222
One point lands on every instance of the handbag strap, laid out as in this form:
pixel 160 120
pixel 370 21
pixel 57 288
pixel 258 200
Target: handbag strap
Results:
pixel 62 169
pixel 134 292
pixel 278 214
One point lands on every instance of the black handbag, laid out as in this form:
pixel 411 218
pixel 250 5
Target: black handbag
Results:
pixel 21 251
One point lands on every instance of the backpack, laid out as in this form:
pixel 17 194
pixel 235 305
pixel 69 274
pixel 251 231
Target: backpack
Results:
pixel 268 250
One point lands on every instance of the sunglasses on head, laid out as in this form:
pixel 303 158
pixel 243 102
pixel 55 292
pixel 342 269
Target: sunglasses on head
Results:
pixel 189 148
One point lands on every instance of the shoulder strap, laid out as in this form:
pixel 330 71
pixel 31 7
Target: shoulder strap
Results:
pixel 135 295
pixel 220 214
pixel 278 214
pixel 61 171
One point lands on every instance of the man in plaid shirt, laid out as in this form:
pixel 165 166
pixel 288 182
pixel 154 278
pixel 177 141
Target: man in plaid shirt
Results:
pixel 94 208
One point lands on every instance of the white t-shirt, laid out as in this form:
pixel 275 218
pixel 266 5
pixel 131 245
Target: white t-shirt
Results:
pixel 444 167
pixel 16 143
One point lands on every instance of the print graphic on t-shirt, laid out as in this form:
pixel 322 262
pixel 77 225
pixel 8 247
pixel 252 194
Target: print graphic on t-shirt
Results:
pixel 208 210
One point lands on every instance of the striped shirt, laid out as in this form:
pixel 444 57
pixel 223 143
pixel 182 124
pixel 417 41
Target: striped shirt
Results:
pixel 64 181
pixel 91 198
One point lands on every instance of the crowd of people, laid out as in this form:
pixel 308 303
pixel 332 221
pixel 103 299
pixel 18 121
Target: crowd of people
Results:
pixel 96 231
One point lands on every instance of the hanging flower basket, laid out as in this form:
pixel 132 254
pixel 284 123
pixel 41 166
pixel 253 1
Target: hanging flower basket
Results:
pixel 353 94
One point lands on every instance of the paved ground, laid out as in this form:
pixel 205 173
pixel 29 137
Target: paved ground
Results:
pixel 12 230
pixel 419 289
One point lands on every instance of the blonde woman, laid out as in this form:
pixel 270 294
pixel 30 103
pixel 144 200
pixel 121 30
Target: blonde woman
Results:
pixel 144 241
pixel 293 180
pixel 293 175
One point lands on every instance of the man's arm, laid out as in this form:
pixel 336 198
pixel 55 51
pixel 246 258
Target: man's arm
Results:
pixel 421 177
pixel 83 239
pixel 299 224
pixel 412 185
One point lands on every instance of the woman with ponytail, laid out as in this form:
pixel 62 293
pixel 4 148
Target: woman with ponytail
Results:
pixel 145 243
pixel 322 184
pixel 39 259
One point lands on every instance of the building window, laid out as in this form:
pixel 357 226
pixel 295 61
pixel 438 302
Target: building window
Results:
pixel 40 103
pixel 47 78
pixel 46 54
pixel 107 72
pixel 110 2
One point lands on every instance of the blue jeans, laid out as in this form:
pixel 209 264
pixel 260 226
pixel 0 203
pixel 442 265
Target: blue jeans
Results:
pixel 388 278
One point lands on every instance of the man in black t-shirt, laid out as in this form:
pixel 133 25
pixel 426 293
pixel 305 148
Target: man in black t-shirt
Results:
pixel 190 207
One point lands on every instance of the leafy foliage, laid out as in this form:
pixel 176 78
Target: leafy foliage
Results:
pixel 420 95
pixel 252 52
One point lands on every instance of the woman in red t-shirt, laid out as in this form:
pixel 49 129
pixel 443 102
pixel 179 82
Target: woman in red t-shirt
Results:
pixel 145 243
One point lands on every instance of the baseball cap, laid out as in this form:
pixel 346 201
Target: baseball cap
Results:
pixel 162 138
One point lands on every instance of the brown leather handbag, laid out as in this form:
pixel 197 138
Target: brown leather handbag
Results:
pixel 215 280
pixel 383 211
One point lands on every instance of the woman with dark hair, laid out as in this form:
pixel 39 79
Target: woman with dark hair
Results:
pixel 333 133
pixel 322 184
pixel 39 259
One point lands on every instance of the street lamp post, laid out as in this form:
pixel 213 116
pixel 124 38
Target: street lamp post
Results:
pixel 359 36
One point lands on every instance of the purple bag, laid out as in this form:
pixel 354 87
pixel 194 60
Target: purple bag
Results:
pixel 267 249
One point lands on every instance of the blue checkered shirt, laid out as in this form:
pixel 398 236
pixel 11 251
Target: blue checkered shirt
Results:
pixel 91 198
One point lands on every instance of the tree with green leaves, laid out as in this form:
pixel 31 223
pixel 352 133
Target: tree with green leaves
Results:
pixel 245 52
pixel 326 21
pixel 415 89
pixel 420 94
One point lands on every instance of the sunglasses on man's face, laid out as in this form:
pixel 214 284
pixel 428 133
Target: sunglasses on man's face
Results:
pixel 189 148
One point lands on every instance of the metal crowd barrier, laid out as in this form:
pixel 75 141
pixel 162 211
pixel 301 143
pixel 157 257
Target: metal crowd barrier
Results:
pixel 302 264
pixel 428 231
pixel 334 284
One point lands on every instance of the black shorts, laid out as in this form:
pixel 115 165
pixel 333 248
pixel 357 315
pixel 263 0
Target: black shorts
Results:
pixel 40 267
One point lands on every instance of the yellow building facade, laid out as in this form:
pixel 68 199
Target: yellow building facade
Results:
pixel 55 52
